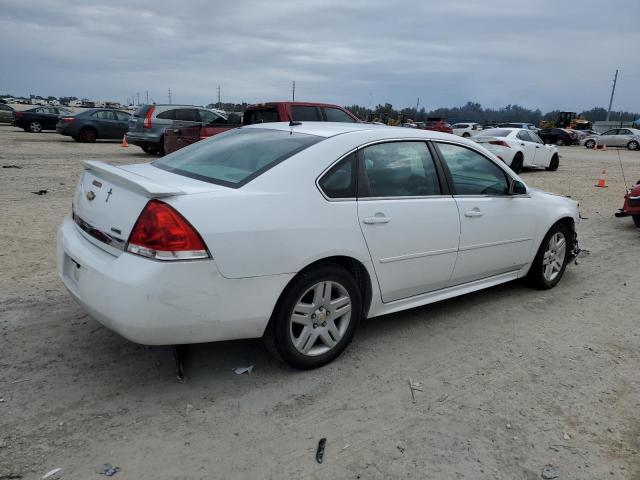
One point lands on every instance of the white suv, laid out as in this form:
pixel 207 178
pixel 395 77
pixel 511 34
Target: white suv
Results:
pixel 466 129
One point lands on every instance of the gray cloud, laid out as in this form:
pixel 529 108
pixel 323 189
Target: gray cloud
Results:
pixel 544 54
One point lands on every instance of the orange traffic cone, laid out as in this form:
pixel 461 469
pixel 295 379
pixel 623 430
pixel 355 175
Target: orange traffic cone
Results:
pixel 124 142
pixel 602 180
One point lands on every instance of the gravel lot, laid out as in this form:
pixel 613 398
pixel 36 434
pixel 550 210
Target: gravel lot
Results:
pixel 512 379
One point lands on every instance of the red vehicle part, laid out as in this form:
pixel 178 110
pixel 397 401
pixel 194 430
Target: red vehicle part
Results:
pixel 177 138
pixel 631 205
pixel 436 124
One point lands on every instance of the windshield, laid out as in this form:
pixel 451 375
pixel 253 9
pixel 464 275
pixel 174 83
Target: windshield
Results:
pixel 236 157
pixel 494 132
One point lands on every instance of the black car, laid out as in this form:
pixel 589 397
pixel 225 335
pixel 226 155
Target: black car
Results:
pixel 558 136
pixel 39 118
pixel 93 124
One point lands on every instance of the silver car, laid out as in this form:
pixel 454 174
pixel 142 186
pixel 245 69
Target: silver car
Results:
pixel 148 123
pixel 616 137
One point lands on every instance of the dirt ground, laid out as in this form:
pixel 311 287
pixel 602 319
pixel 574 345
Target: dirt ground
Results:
pixel 511 379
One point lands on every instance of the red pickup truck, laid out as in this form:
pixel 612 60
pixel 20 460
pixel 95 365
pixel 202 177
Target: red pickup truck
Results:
pixel 177 137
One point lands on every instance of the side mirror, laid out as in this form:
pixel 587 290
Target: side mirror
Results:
pixel 517 188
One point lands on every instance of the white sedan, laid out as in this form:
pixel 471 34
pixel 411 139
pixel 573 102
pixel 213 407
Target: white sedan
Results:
pixel 297 231
pixel 466 129
pixel 519 148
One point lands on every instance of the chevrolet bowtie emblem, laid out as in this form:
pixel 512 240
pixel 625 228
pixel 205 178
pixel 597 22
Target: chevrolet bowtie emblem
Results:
pixel 90 195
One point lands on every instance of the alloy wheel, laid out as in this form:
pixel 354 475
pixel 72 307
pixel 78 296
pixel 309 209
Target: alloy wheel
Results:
pixel 320 318
pixel 554 256
pixel 35 127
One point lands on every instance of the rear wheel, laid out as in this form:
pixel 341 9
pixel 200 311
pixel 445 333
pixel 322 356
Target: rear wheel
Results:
pixel 35 127
pixel 88 135
pixel 466 134
pixel 590 144
pixel 554 163
pixel 517 163
pixel 636 220
pixel 551 260
pixel 150 149
pixel 316 318
pixel 633 145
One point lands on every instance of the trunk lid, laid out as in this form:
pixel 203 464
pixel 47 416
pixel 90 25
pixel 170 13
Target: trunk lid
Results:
pixel 108 199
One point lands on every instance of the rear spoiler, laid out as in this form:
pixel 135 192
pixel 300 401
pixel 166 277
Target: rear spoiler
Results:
pixel 132 181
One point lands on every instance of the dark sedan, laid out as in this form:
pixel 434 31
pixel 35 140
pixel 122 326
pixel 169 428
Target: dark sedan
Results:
pixel 558 136
pixel 93 124
pixel 39 118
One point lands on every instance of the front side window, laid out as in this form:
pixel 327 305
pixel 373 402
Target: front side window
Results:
pixel 524 135
pixel 302 113
pixel 237 156
pixel 340 181
pixel 400 169
pixel 472 173
pixel 261 115
pixel 207 117
pixel 187 115
pixel 534 136
pixel 337 115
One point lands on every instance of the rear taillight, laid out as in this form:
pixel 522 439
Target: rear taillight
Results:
pixel 67 119
pixel 161 233
pixel 500 143
pixel 147 117
pixel 19 114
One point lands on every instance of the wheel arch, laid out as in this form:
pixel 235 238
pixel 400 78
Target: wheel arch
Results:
pixel 350 264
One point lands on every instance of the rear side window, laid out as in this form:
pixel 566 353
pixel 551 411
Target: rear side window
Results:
pixel 337 115
pixel 187 115
pixel 207 117
pixel 261 115
pixel 236 157
pixel 472 173
pixel 400 169
pixel 301 113
pixel 168 115
pixel 340 181
pixel 103 115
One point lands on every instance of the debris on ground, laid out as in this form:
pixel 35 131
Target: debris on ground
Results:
pixel 10 476
pixel 11 166
pixel 320 452
pixel 566 436
pixel 40 192
pixel 52 474
pixel 401 449
pixel 549 472
pixel 108 470
pixel 188 409
pixel 241 370
pixel 414 387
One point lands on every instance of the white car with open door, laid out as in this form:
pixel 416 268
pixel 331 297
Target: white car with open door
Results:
pixel 617 137
pixel 519 148
pixel 297 231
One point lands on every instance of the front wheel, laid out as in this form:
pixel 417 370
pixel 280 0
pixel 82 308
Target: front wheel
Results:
pixel 633 145
pixel 316 318
pixel 554 163
pixel 551 260
pixel 590 144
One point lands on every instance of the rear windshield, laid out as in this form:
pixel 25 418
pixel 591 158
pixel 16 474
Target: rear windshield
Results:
pixel 494 132
pixel 236 157
pixel 261 115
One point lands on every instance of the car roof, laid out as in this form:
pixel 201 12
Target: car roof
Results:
pixel 331 129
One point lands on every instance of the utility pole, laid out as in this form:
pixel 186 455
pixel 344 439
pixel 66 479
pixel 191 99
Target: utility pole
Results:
pixel 147 97
pixel 417 104
pixel 218 95
pixel 293 92
pixel 169 95
pixel 613 90
pixel 138 98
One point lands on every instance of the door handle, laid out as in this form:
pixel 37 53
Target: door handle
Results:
pixel 378 218
pixel 473 213
pixel 522 144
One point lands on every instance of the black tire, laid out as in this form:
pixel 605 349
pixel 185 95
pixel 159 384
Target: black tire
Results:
pixel 77 139
pixel 560 142
pixel 633 145
pixel 466 134
pixel 279 332
pixel 554 163
pixel 536 276
pixel 150 149
pixel 590 144
pixel 636 220
pixel 161 147
pixel 517 163
pixel 88 135
pixel 35 126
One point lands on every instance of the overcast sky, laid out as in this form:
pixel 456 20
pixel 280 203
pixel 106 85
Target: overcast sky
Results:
pixel 547 54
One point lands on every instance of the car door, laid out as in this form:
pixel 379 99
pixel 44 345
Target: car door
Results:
pixel 122 123
pixel 496 229
pixel 410 224
pixel 50 118
pixel 608 138
pixel 543 152
pixel 528 147
pixel 105 123
pixel 623 137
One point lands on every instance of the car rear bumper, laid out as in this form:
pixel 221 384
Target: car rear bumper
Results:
pixel 160 303
pixel 142 139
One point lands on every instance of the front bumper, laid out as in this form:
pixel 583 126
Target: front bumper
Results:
pixel 160 303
